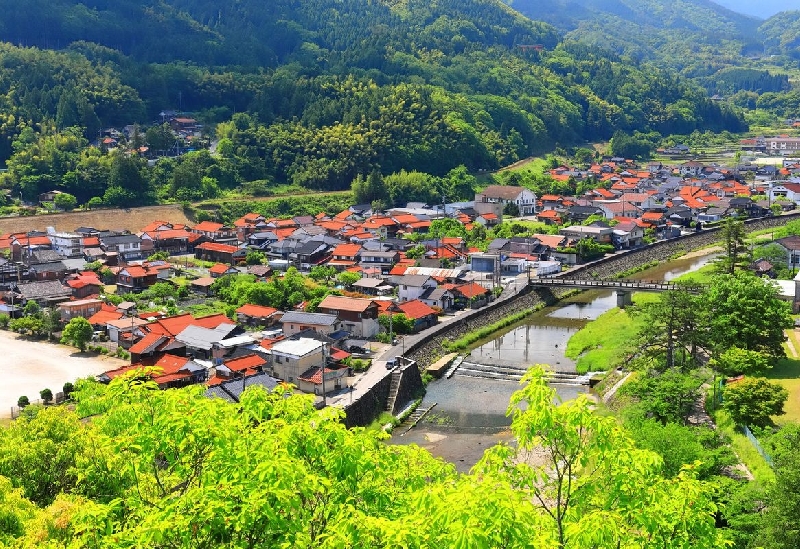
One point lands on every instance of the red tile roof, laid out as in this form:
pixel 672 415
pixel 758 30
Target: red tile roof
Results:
pixel 346 250
pixel 315 375
pixel 219 268
pixel 416 309
pixel 471 290
pixel 215 247
pixel 256 310
pixel 148 343
pixel 173 325
pixel 246 362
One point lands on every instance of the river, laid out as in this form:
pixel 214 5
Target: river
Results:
pixel 470 412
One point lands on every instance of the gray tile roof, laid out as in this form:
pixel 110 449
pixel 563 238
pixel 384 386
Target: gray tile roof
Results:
pixel 231 390
pixel 43 289
pixel 203 338
pixel 300 317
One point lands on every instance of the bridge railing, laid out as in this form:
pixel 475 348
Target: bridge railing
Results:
pixel 618 284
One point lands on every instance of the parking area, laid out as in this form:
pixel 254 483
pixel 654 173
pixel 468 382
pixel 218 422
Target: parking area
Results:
pixel 27 367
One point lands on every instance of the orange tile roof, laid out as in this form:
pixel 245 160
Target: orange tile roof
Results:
pixel 404 219
pixel 208 226
pixel 381 221
pixel 170 233
pixel 416 309
pixel 104 316
pixel 215 247
pixel 155 225
pixel 256 310
pixel 346 250
pixel 471 290
pixel 315 376
pixel 245 362
pixel 173 325
pixel 146 342
pixel 219 268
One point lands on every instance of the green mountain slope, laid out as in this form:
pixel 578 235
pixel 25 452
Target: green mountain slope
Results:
pixel 782 34
pixel 684 34
pixel 326 89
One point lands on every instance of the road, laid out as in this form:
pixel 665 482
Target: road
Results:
pixel 27 367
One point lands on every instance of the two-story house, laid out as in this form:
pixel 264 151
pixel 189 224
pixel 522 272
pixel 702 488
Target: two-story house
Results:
pixel 126 246
pixel 216 232
pixel 293 357
pixel 65 244
pixel 411 287
pixel 501 195
pixel 357 316
pixel 298 321
pixel 345 255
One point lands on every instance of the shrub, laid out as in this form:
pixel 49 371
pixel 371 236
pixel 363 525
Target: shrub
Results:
pixel 23 401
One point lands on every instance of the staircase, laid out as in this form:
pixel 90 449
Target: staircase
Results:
pixel 397 374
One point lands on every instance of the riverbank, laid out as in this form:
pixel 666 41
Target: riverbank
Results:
pixel 28 366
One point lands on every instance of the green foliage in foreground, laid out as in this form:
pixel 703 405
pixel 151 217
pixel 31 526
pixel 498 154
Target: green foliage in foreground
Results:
pixel 176 469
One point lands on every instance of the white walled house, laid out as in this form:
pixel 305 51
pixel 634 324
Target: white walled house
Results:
pixel 523 198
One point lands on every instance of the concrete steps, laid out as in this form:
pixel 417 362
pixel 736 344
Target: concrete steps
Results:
pixel 515 373
pixel 397 373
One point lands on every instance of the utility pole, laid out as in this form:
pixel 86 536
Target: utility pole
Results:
pixel 324 363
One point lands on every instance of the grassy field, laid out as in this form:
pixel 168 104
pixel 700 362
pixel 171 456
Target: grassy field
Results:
pixel 604 343
pixel 787 373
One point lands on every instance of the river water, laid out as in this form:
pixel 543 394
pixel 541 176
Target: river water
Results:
pixel 470 413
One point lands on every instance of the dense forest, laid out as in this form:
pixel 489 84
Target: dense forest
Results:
pixel 312 93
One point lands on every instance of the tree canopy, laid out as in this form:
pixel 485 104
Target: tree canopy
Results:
pixel 175 468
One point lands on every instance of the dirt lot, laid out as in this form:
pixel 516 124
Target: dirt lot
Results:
pixel 27 367
pixel 132 220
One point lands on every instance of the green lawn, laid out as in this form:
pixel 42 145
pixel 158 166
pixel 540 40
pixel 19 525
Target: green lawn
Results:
pixel 787 373
pixel 604 343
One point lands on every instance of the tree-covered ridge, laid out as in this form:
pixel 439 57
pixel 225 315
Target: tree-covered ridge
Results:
pixel 177 469
pixel 391 86
pixel 782 34
pixel 253 33
pixel 698 38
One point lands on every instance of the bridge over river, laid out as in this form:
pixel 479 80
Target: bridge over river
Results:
pixel 623 288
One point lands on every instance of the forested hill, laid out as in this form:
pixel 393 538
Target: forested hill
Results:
pixel 266 34
pixel 782 34
pixel 324 89
pixel 682 34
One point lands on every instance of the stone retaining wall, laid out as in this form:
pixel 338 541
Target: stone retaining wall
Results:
pixel 364 410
